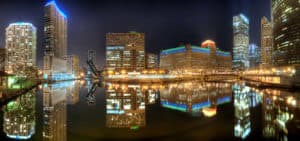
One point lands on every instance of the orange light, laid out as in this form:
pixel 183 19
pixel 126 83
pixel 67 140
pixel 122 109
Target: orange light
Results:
pixel 208 43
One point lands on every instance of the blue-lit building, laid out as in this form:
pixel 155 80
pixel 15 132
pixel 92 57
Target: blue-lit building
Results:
pixel 254 55
pixel 55 43
pixel 208 56
pixel 240 59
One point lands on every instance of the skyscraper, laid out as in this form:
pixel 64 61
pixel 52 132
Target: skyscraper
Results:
pixel 20 44
pixel 55 31
pixel 286 32
pixel 240 42
pixel 55 42
pixel 254 55
pixel 266 43
pixel 125 51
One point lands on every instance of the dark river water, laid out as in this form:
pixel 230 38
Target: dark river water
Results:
pixel 192 110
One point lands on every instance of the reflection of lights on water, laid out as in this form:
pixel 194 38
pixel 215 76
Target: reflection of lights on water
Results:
pixel 209 112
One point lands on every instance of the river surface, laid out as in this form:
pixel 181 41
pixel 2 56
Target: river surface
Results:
pixel 192 110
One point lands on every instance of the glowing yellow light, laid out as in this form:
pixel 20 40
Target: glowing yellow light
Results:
pixel 209 112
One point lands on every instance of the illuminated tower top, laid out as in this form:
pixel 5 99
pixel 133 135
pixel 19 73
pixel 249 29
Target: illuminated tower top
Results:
pixel 53 3
pixel 208 44
pixel 55 31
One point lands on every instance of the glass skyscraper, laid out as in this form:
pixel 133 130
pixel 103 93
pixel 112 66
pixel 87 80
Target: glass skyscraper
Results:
pixel 240 59
pixel 286 32
pixel 20 44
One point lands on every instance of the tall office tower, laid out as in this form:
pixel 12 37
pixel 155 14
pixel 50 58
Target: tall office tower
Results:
pixel 286 32
pixel 91 57
pixel 151 61
pixel 125 51
pixel 2 59
pixel 266 43
pixel 55 42
pixel 20 44
pixel 240 42
pixel 254 55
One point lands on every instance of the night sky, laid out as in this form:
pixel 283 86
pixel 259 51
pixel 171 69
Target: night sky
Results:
pixel 166 23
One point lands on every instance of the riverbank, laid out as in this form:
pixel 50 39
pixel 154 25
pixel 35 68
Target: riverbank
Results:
pixel 8 94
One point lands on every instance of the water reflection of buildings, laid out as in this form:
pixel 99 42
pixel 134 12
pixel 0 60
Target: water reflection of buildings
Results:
pixel 91 97
pixel 279 108
pixel 73 93
pixel 242 127
pixel 19 116
pixel 126 104
pixel 55 111
pixel 194 97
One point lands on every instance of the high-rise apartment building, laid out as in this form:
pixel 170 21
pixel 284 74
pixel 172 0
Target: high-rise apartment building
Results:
pixel 20 44
pixel 240 42
pixel 125 51
pixel 55 42
pixel 266 43
pixel 55 31
pixel 254 56
pixel 286 32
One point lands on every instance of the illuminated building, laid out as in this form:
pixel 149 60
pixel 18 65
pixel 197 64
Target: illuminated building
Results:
pixel 73 93
pixel 286 32
pixel 254 56
pixel 2 59
pixel 125 51
pixel 125 107
pixel 195 97
pixel 242 127
pixel 20 44
pixel 55 42
pixel 19 117
pixel 266 43
pixel 73 65
pixel 240 59
pixel 55 111
pixel 151 61
pixel 208 56
pixel 92 57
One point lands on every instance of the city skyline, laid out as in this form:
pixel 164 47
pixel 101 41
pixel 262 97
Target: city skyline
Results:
pixel 91 15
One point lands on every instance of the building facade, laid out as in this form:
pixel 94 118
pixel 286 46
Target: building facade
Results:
pixel 254 56
pixel 55 43
pixel 151 61
pixel 266 43
pixel 20 44
pixel 286 32
pixel 73 65
pixel 125 51
pixel 194 57
pixel 2 59
pixel 240 42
